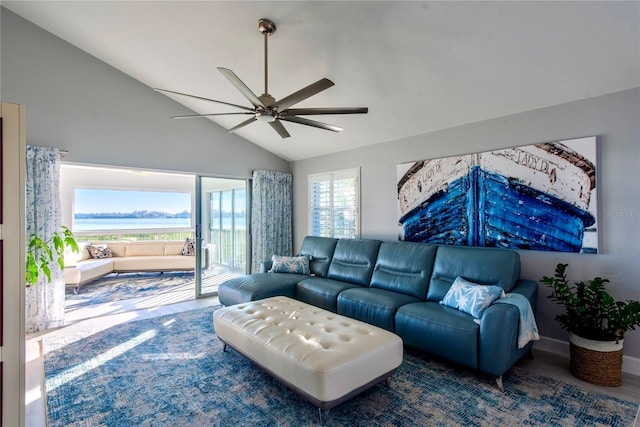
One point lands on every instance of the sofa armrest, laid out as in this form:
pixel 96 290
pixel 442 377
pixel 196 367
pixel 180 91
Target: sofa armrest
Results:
pixel 499 332
pixel 265 266
pixel 528 288
pixel 498 338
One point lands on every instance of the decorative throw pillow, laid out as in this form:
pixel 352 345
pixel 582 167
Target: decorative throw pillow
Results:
pixel 290 264
pixel 189 248
pixel 471 298
pixel 99 251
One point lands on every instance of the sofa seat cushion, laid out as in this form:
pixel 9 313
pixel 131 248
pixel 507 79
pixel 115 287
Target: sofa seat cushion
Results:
pixel 322 292
pixel 87 270
pixel 375 306
pixel 154 263
pixel 258 286
pixel 440 330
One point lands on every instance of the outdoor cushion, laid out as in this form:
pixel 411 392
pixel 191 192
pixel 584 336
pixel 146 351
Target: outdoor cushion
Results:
pixel 144 248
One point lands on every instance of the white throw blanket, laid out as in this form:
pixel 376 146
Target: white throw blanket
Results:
pixel 528 330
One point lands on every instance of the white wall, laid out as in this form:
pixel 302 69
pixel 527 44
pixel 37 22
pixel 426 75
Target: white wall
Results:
pixel 613 118
pixel 102 116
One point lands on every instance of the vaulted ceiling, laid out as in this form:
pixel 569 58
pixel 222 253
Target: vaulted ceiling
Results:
pixel 417 66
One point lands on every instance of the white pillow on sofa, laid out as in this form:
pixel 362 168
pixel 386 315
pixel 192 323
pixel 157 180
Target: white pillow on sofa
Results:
pixel 287 264
pixel 471 298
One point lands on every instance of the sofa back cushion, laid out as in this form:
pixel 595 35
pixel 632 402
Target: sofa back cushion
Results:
pixel 320 251
pixel 353 260
pixel 404 267
pixel 117 248
pixel 144 248
pixel 485 266
pixel 173 247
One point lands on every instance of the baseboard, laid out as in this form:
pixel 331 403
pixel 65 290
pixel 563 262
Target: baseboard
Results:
pixel 630 365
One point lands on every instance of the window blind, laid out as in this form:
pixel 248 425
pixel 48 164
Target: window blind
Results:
pixel 334 200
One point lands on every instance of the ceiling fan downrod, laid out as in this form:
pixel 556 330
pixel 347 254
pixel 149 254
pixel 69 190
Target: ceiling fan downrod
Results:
pixel 265 108
pixel 266 27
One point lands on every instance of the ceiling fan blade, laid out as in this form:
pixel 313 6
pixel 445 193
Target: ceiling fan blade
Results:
pixel 303 94
pixel 320 111
pixel 235 80
pixel 279 127
pixel 191 116
pixel 313 123
pixel 204 99
pixel 243 124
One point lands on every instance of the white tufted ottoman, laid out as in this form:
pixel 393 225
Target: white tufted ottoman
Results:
pixel 325 357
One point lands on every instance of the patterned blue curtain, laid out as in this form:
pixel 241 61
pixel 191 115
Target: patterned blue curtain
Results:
pixel 44 301
pixel 271 216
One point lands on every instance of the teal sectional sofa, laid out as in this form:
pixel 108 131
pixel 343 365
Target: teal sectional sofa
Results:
pixel 399 286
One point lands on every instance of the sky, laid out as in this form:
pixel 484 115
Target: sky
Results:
pixel 124 201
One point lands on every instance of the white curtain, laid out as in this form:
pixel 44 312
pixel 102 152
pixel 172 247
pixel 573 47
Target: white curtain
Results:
pixel 44 301
pixel 271 216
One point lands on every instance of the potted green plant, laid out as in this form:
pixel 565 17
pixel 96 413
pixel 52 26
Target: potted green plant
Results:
pixel 41 254
pixel 596 324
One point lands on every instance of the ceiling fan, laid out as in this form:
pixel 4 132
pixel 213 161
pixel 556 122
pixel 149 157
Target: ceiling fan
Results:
pixel 266 108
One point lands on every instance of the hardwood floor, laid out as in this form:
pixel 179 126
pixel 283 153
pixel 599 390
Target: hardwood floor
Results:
pixel 104 316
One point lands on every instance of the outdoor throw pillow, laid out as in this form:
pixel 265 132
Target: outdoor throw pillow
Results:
pixel 471 298
pixel 189 248
pixel 99 251
pixel 288 264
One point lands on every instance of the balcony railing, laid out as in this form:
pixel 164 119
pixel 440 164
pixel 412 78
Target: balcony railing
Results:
pixel 135 234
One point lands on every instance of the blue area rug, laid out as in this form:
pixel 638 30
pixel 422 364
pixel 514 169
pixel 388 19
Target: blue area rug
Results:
pixel 171 371
pixel 117 287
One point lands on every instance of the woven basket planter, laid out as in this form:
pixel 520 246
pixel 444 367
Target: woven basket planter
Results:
pixel 597 362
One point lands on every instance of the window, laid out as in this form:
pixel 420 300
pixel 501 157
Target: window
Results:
pixel 228 226
pixel 105 209
pixel 334 204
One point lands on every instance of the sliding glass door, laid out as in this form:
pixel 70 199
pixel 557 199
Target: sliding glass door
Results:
pixel 222 227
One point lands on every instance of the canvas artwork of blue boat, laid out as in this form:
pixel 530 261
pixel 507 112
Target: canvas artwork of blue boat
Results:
pixel 538 197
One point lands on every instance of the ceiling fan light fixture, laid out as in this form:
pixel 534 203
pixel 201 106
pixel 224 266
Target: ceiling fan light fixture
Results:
pixel 265 117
